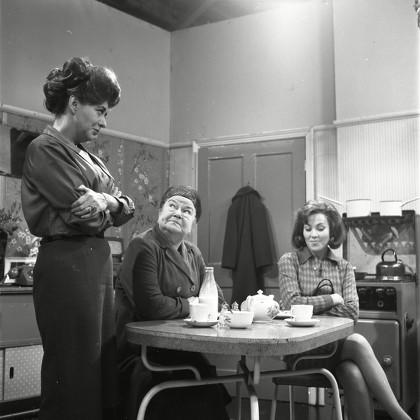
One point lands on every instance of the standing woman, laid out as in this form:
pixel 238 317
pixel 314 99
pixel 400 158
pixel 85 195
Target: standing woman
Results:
pixel 69 199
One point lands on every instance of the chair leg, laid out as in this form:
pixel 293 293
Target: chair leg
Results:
pixel 345 414
pixel 291 403
pixel 274 404
pixel 238 396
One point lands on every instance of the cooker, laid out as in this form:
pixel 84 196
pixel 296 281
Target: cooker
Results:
pixel 387 319
pixel 383 250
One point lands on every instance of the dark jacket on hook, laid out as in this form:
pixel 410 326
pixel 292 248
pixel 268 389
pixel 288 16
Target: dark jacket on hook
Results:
pixel 248 244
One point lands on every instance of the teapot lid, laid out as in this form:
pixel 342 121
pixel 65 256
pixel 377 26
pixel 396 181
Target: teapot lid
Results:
pixel 261 295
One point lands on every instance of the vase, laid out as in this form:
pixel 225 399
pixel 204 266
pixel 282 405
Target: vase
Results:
pixel 3 245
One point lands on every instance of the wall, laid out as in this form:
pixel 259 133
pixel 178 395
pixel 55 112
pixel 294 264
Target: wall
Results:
pixel 262 73
pixel 377 84
pixel 329 68
pixel 36 36
pixel 376 49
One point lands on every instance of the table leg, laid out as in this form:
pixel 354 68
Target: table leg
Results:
pixel 257 370
pixel 238 394
pixel 252 393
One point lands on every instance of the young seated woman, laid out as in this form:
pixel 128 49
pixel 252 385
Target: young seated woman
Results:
pixel 312 274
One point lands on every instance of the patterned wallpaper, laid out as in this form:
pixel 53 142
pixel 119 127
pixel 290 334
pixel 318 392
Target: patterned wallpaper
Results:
pixel 20 243
pixel 140 171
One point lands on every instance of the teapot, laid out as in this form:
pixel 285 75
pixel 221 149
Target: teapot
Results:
pixel 265 308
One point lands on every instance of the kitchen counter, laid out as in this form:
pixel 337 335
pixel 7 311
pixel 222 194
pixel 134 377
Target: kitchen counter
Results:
pixel 18 325
pixel 10 289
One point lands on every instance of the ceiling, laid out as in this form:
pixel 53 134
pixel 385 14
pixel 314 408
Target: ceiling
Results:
pixel 173 15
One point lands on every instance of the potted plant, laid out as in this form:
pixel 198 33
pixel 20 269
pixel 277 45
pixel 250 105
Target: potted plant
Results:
pixel 9 222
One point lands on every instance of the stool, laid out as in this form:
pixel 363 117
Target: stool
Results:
pixel 316 377
pixel 306 379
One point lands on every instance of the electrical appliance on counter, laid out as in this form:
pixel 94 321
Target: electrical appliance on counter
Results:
pixel 18 271
pixel 383 249
pixel 20 276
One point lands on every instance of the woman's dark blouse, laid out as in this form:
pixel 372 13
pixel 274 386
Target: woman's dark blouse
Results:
pixel 54 168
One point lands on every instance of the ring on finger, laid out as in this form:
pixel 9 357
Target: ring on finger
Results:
pixel 92 209
pixel 89 209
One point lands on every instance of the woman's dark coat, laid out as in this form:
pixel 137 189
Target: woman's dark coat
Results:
pixel 248 244
pixel 154 282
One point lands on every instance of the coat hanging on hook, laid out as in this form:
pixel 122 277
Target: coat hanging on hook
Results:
pixel 248 244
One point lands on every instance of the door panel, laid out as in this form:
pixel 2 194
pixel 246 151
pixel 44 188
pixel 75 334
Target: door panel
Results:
pixel 225 175
pixel 275 169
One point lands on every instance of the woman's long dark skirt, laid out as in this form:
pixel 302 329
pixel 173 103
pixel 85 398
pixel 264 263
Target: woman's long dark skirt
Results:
pixel 73 297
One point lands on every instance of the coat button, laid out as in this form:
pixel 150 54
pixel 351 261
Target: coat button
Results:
pixel 178 290
pixel 193 288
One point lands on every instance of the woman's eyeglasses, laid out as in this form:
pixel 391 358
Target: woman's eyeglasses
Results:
pixel 325 287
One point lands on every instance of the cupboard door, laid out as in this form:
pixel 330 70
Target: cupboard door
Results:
pixel 22 372
pixel 276 169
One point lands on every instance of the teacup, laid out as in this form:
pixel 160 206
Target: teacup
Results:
pixel 301 312
pixel 199 312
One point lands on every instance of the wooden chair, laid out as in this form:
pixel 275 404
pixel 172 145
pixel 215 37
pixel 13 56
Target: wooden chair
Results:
pixel 316 377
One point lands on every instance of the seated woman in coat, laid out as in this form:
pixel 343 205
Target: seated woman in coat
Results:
pixel 313 275
pixel 160 275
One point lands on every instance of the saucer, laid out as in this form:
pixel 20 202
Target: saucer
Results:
pixel 189 321
pixel 282 315
pixel 309 323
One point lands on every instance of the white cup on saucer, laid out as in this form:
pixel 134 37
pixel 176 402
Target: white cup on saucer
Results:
pixel 199 312
pixel 301 313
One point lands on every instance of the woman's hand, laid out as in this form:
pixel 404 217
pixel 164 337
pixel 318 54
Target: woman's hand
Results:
pixel 337 299
pixel 193 299
pixel 89 204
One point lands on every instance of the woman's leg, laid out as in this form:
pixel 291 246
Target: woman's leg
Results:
pixel 357 349
pixel 358 399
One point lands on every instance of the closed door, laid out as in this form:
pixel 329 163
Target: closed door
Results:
pixel 275 169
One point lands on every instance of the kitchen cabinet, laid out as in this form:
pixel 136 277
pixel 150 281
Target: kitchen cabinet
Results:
pixel 20 350
pixel 21 375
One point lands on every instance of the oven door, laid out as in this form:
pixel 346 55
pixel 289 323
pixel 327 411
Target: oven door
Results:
pixel 384 337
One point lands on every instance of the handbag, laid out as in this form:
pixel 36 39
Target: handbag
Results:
pixel 324 287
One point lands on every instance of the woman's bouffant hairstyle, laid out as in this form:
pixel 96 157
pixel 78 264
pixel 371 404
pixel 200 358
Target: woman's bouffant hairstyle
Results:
pixel 90 84
pixel 335 222
pixel 183 191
